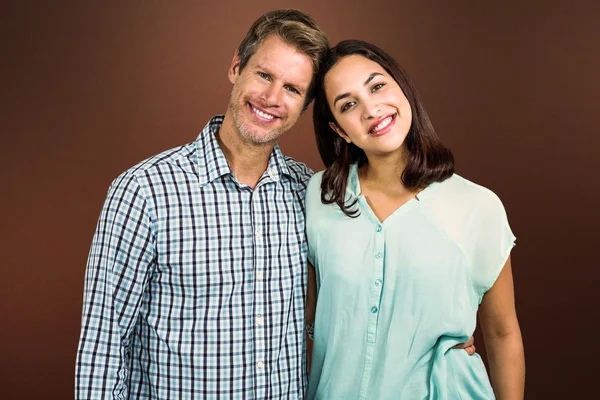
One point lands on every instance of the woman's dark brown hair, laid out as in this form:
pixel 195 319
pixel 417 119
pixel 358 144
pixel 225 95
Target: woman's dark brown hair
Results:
pixel 428 160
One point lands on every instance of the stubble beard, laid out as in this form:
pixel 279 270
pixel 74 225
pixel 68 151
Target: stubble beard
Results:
pixel 249 133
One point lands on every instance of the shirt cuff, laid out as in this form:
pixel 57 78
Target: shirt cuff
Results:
pixel 310 329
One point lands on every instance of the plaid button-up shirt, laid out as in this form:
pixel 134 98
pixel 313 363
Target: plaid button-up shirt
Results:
pixel 195 283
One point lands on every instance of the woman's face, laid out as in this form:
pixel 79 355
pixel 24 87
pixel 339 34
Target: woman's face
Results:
pixel 370 108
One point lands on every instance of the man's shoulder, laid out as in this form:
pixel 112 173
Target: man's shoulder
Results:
pixel 179 156
pixel 162 167
pixel 298 170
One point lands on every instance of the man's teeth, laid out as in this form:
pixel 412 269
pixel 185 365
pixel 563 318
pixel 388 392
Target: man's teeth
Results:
pixel 262 114
pixel 382 125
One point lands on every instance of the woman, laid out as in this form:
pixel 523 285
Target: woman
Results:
pixel 404 251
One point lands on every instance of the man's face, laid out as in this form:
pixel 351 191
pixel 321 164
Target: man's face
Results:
pixel 268 95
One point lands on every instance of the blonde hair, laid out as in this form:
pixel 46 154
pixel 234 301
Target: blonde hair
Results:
pixel 294 27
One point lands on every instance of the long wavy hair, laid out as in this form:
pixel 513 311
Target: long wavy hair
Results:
pixel 428 159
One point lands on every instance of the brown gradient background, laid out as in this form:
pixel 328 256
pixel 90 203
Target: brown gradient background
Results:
pixel 90 88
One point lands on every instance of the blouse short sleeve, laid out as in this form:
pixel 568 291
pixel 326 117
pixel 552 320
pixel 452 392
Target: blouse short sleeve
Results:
pixel 312 203
pixel 491 241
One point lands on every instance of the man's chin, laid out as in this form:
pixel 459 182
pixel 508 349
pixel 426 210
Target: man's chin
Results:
pixel 260 138
pixel 257 135
pixel 255 132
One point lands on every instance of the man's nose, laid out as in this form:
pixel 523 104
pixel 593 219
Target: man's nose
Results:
pixel 273 95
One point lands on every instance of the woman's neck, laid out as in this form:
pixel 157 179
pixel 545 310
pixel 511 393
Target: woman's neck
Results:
pixel 383 174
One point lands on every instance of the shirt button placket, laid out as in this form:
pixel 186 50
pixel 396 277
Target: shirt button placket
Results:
pixel 259 301
pixel 377 284
pixel 374 308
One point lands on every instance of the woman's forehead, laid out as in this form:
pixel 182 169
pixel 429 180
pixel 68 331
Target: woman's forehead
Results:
pixel 352 71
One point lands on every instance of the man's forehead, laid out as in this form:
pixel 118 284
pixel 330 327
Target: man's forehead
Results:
pixel 283 60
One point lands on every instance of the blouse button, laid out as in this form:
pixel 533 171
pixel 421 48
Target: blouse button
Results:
pixel 378 255
pixel 378 282
pixel 379 228
pixel 373 310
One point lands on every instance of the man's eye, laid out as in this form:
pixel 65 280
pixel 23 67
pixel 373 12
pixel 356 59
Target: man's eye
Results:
pixel 263 75
pixel 292 89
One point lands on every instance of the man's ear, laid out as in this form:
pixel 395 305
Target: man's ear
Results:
pixel 234 68
pixel 339 131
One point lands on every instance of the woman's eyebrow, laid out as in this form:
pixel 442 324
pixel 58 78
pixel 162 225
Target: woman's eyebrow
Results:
pixel 369 79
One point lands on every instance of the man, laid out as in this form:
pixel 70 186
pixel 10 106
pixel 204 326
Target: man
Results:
pixel 196 279
pixel 195 283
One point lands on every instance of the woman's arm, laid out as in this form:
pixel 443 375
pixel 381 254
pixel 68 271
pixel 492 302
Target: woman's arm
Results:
pixel 502 337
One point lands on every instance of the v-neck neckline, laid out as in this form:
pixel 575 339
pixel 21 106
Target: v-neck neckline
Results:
pixel 402 209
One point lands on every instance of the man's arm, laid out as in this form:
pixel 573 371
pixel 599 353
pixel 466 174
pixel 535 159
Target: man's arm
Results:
pixel 117 273
pixel 311 296
pixel 502 337
pixel 310 310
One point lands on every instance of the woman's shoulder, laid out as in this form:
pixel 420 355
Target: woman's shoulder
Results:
pixel 317 177
pixel 463 191
pixel 471 214
pixel 314 185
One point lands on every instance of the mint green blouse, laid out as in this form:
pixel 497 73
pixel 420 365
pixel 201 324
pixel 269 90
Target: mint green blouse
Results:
pixel 395 296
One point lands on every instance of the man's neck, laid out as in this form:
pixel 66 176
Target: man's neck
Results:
pixel 247 160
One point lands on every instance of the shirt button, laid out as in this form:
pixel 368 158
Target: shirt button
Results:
pixel 379 228
pixel 373 310
pixel 260 365
pixel 260 320
pixel 378 282
pixel 378 255
pixel 259 275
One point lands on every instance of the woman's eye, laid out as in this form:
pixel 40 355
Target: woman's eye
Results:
pixel 377 86
pixel 346 106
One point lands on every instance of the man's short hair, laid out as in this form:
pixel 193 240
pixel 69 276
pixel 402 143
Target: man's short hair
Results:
pixel 294 27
